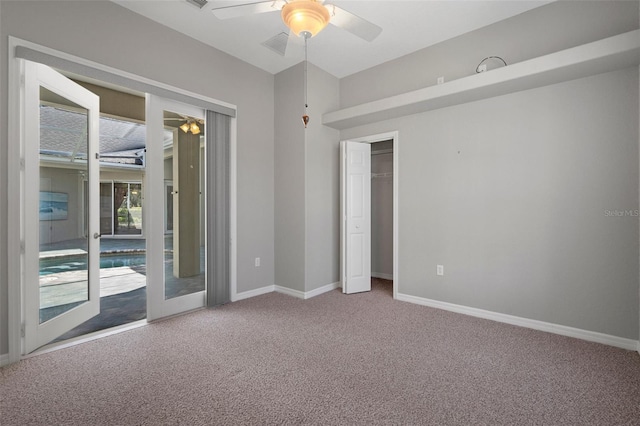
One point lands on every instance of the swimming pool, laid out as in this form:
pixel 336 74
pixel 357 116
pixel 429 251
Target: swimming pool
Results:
pixel 56 265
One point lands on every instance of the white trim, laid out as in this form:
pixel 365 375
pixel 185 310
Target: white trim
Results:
pixel 4 360
pixel 320 290
pixel 382 275
pixel 285 290
pixel 233 207
pixel 289 292
pixel 14 192
pixel 14 207
pixel 124 74
pixel 308 294
pixel 562 330
pixel 252 293
pixel 395 136
pixel 87 338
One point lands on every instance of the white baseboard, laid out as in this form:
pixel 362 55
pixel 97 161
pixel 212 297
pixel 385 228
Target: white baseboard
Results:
pixel 563 330
pixel 252 293
pixel 289 291
pixel 4 360
pixel 382 275
pixel 320 290
pixel 284 290
pixel 308 294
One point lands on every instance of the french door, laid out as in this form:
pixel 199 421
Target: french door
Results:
pixel 175 159
pixel 62 206
pixel 61 254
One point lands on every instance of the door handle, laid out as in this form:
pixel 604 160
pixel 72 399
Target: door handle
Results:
pixel 96 235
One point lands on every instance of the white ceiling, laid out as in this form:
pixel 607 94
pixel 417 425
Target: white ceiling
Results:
pixel 407 26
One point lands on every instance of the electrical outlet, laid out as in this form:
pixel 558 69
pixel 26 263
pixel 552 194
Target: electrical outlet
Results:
pixel 482 68
pixel 257 262
pixel 440 270
pixel 440 80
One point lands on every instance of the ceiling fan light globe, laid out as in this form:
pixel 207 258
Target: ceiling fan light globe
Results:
pixel 305 16
pixel 194 128
pixel 185 127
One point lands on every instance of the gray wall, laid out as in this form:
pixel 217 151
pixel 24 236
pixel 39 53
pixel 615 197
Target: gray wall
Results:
pixel 289 179
pixel 322 179
pixel 141 46
pixel 512 194
pixel 306 181
pixel 550 28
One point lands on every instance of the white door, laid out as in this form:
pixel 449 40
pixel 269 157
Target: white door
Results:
pixel 61 259
pixel 355 178
pixel 176 278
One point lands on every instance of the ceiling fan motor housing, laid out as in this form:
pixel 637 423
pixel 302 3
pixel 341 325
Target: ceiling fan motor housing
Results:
pixel 305 16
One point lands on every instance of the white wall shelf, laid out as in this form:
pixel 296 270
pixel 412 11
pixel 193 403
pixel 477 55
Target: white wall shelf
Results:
pixel 617 52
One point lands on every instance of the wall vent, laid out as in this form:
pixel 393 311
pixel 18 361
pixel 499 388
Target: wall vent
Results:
pixel 278 43
pixel 198 3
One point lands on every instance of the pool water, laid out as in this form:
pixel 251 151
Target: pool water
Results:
pixel 79 263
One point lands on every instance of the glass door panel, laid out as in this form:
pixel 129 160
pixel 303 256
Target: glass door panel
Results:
pixel 61 268
pixel 64 257
pixel 185 247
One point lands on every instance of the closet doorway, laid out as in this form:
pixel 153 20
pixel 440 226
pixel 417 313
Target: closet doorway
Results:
pixel 382 215
pixel 369 207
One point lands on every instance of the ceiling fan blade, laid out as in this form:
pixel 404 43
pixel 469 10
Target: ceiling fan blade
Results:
pixel 292 40
pixel 354 24
pixel 237 11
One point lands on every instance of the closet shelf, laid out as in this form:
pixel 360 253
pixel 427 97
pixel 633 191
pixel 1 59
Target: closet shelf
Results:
pixel 609 54
pixel 381 175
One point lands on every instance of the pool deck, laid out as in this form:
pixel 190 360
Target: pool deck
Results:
pixel 70 286
pixel 122 289
pixel 107 245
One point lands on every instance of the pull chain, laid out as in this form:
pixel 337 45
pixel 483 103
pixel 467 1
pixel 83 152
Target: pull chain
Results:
pixel 305 117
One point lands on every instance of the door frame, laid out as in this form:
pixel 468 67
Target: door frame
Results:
pixel 15 153
pixel 381 137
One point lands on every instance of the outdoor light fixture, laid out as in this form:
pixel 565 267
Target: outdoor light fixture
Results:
pixel 305 17
pixel 190 126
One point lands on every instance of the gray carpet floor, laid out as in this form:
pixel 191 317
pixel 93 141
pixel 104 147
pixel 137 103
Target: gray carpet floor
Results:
pixel 331 360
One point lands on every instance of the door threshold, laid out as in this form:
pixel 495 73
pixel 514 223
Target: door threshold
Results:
pixel 86 338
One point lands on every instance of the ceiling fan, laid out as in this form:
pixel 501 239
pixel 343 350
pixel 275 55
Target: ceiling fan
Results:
pixel 189 124
pixel 305 18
